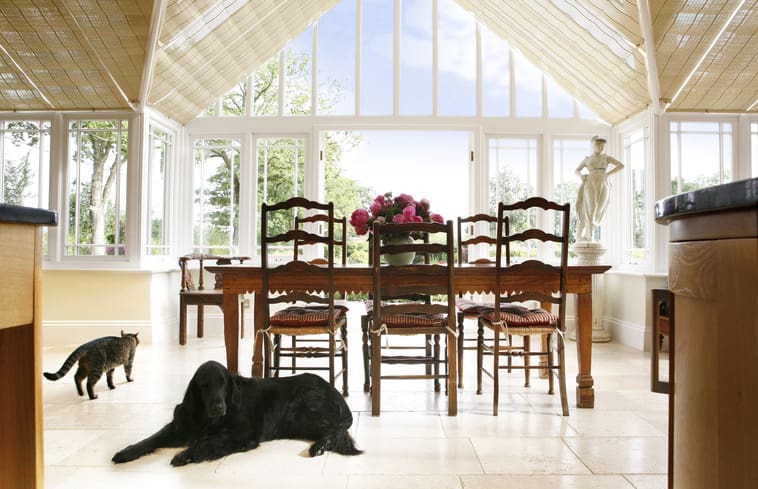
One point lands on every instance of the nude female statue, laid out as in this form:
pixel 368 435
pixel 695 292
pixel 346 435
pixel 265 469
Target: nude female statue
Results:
pixel 593 194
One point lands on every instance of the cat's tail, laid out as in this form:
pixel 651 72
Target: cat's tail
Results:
pixel 70 361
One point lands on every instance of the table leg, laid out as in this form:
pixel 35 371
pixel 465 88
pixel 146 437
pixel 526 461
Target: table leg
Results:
pixel 258 339
pixel 585 390
pixel 231 324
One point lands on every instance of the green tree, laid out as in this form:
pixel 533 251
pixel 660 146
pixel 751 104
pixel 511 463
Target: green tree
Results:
pixel 281 160
pixel 104 146
pixel 17 166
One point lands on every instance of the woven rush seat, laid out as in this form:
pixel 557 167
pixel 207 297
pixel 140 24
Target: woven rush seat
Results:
pixel 414 320
pixel 306 316
pixel 515 316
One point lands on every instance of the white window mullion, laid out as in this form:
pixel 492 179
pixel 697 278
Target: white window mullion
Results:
pixel 435 59
pixel 358 54
pixel 314 71
pixel 396 56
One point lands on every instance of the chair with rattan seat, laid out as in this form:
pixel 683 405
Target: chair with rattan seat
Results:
pixel 512 314
pixel 395 315
pixel 309 346
pixel 306 312
pixel 476 246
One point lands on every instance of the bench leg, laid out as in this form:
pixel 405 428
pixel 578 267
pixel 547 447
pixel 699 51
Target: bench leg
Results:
pixel 182 323
pixel 200 320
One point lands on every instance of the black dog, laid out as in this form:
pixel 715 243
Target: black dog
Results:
pixel 223 413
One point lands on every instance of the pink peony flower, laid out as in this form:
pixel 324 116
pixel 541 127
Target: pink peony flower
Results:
pixel 436 218
pixel 409 212
pixel 359 220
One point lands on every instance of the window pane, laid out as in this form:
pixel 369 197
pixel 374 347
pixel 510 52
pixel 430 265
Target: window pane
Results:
pixel 457 60
pixel 266 88
pixel 568 153
pixel 496 79
pixel 528 87
pixel 161 148
pixel 754 148
pixel 636 246
pixel 297 83
pixel 377 53
pixel 416 57
pixel 336 60
pixel 233 103
pixel 281 168
pixel 25 161
pixel 559 103
pixel 513 177
pixel 98 152
pixel 701 154
pixel 216 186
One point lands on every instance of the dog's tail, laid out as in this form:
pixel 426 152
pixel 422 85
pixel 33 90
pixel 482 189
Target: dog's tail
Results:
pixel 344 444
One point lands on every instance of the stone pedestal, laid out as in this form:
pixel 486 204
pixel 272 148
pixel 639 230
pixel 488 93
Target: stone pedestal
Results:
pixel 590 253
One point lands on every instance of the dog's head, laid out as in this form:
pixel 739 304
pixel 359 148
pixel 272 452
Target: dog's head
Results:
pixel 212 390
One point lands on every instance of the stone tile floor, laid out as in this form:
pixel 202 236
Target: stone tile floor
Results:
pixel 621 443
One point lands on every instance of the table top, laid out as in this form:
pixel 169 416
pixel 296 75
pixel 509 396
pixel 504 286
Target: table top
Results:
pixel 17 214
pixel 733 195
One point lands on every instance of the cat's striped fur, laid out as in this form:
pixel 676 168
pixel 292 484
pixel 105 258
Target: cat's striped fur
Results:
pixel 98 356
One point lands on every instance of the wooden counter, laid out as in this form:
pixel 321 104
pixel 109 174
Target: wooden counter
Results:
pixel 21 446
pixel 713 272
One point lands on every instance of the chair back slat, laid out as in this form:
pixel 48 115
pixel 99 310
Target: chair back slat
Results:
pixel 340 235
pixel 532 290
pixel 286 283
pixel 401 282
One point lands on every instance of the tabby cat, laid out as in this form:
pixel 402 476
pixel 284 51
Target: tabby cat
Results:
pixel 98 356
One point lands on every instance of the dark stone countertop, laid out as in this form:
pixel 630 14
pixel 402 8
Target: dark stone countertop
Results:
pixel 733 195
pixel 27 215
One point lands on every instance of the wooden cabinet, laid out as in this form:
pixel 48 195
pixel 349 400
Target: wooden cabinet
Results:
pixel 713 270
pixel 21 447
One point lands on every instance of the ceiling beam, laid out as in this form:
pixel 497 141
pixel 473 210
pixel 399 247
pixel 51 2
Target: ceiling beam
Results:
pixel 153 36
pixel 653 81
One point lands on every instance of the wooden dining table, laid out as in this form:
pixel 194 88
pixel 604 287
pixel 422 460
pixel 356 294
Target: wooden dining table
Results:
pixel 240 279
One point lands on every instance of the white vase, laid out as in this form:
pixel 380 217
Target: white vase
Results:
pixel 405 258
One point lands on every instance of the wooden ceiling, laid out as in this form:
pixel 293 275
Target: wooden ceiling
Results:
pixel 178 55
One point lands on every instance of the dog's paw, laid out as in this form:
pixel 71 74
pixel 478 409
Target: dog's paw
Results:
pixel 182 458
pixel 126 455
pixel 316 450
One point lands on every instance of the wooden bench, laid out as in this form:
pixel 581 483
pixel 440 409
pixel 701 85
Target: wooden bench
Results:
pixel 197 295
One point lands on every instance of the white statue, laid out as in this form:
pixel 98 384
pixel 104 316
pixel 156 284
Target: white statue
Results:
pixel 594 192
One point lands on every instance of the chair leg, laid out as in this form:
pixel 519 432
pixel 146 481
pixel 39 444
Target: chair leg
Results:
pixel 242 318
pixel 527 360
pixel 429 353
pixel 479 356
pixel 331 359
pixel 343 336
pixel 366 373
pixel 452 391
pixel 549 350
pixel 182 323
pixel 277 354
pixel 496 372
pixel 376 372
pixel 294 354
pixel 510 357
pixel 436 363
pixel 460 350
pixel 200 320
pixel 562 375
pixel 266 358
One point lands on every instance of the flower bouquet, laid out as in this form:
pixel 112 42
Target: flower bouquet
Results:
pixel 400 209
pixel 385 208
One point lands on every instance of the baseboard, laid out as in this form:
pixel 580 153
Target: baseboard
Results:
pixel 73 333
pixel 625 332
